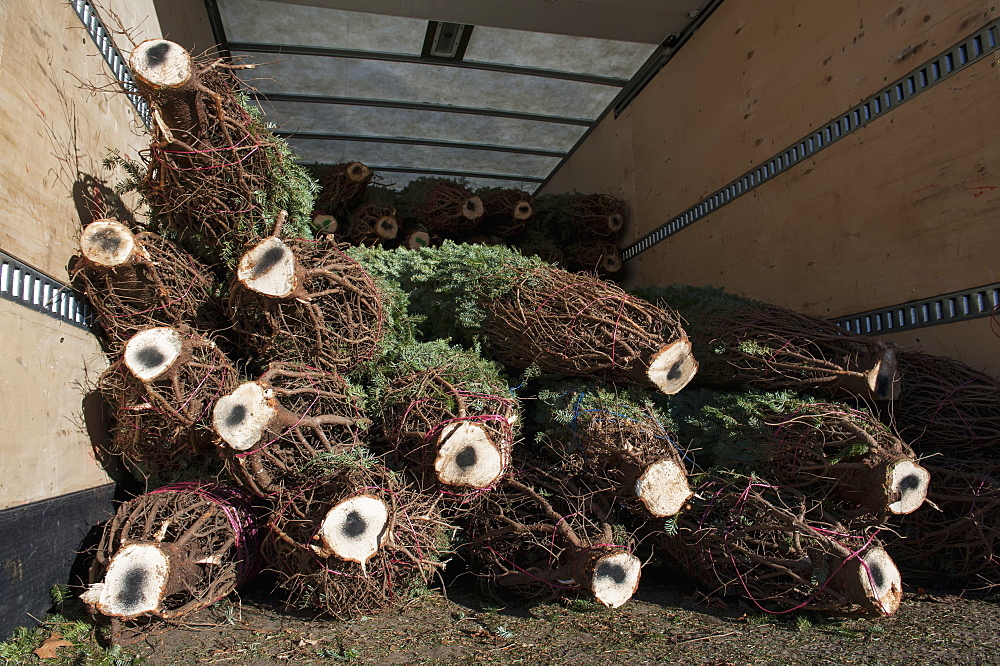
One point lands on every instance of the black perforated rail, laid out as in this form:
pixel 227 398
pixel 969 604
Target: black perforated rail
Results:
pixel 956 306
pixel 34 289
pixel 119 68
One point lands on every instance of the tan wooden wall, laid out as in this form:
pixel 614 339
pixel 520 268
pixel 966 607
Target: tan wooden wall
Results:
pixel 54 133
pixel 904 208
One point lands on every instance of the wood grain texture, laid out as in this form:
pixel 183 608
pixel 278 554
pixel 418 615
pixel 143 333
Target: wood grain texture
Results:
pixel 900 210
pixel 903 209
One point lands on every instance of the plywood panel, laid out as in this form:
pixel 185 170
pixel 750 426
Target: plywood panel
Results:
pixel 45 368
pixel 754 79
pixel 53 133
pixel 772 77
pixel 608 149
pixel 975 342
pixel 903 209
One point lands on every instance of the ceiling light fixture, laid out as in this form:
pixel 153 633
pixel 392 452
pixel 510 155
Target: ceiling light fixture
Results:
pixel 446 40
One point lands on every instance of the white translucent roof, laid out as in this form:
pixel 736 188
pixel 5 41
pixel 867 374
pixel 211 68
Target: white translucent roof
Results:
pixel 343 84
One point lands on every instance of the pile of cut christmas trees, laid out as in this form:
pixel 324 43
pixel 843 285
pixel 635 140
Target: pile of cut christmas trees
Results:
pixel 578 232
pixel 344 416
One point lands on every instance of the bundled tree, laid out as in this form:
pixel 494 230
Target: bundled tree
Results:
pixel 216 174
pixel 625 446
pixel 537 244
pixel 342 188
pixel 742 342
pixel 375 221
pixel 947 406
pixel 957 534
pixel 162 390
pixel 443 206
pixel 177 372
pixel 170 553
pixel 135 281
pixel 308 302
pixel 284 429
pixel 447 413
pixel 825 450
pixel 357 543
pixel 506 212
pixel 597 256
pixel 533 314
pixel 598 215
pixel 572 217
pixel 774 546
pixel 543 533
pixel 416 236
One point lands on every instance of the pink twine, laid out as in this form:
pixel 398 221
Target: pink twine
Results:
pixel 851 555
pixel 244 520
pixel 159 307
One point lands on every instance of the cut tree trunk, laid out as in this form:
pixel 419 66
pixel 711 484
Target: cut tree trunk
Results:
pixel 542 535
pixel 598 215
pixel 216 175
pixel 598 257
pixel 326 225
pixel 447 208
pixel 774 546
pixel 829 451
pixel 506 212
pixel 746 343
pixel 957 536
pixel 372 224
pixel 623 446
pixel 582 326
pixel 175 371
pixel 306 302
pixel 170 553
pixel 454 433
pixel 342 188
pixel 135 281
pixel 355 544
pixel 286 428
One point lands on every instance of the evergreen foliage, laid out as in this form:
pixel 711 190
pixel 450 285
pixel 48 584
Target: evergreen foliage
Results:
pixel 447 284
pixel 568 405
pixel 466 369
pixel 741 430
pixel 290 188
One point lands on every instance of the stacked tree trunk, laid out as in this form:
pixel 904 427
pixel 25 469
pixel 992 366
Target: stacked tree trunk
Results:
pixel 577 232
pixel 358 398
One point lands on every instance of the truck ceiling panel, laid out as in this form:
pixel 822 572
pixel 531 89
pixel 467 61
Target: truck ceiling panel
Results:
pixel 427 83
pixel 272 22
pixel 261 22
pixel 560 52
pixel 647 21
pixel 429 125
pixel 422 157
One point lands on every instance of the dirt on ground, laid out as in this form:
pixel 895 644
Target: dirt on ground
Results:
pixel 665 623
